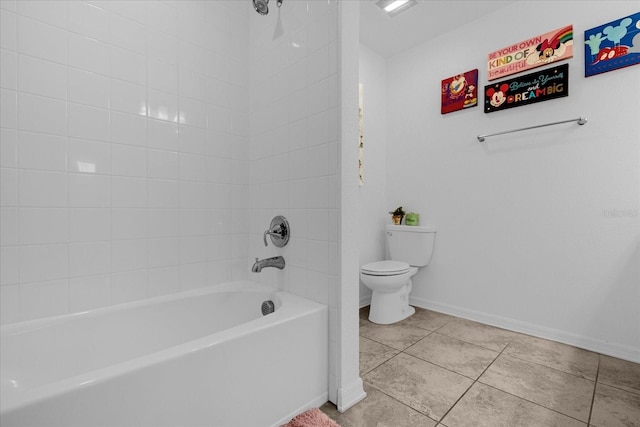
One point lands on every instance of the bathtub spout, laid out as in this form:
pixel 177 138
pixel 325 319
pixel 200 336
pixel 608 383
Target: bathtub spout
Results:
pixel 276 261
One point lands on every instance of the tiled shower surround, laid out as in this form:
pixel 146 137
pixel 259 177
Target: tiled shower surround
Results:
pixel 146 145
pixel 124 151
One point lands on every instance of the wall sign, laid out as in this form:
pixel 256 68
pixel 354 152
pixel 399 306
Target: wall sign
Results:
pixel 534 52
pixel 612 46
pixel 459 91
pixel 535 87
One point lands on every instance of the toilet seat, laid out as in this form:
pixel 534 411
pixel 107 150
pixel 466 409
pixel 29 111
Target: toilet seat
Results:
pixel 385 268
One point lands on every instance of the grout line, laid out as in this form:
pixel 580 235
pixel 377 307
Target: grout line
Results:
pixel 521 358
pixel 523 398
pixel 593 397
pixel 371 370
pixel 399 401
pixel 468 342
pixel 625 390
pixel 391 397
pixel 387 345
pixel 437 329
pixel 609 384
pixel 534 403
pixel 472 384
pixel 477 380
pixel 362 374
pixel 430 362
pixel 421 339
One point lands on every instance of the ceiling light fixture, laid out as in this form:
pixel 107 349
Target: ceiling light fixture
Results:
pixel 394 7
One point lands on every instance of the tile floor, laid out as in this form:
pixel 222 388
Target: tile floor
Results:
pixel 438 370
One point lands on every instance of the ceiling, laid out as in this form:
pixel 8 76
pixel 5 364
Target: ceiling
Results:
pixel 425 21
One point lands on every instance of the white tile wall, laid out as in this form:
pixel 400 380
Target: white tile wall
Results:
pixel 41 151
pixel 41 40
pixel 88 20
pixel 120 127
pixel 84 87
pixel 40 77
pixel 39 114
pixel 89 292
pixel 43 225
pixel 89 224
pixel 90 157
pixel 87 54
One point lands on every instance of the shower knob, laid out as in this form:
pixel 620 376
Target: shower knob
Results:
pixel 279 232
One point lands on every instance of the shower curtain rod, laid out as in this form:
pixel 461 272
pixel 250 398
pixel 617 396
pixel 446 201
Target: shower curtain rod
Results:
pixel 580 120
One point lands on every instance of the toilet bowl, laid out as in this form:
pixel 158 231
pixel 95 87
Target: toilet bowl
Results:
pixel 390 282
pixel 410 247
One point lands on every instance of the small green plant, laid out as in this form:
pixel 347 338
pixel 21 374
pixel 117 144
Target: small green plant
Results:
pixel 412 218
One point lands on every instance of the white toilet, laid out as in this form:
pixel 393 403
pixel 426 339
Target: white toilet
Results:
pixel 410 247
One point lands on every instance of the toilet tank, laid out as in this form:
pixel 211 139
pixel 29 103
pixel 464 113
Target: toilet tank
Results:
pixel 411 244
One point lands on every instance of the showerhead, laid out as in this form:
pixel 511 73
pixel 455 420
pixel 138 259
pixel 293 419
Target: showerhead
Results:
pixel 262 6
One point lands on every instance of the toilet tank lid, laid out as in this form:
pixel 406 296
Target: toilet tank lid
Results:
pixel 411 228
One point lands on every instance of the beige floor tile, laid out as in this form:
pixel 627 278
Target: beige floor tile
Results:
pixel 451 353
pixel 372 354
pixel 555 355
pixel 619 373
pixel 484 406
pixel 429 320
pixel 425 387
pixel 553 389
pixel 398 335
pixel 477 333
pixel 613 407
pixel 378 410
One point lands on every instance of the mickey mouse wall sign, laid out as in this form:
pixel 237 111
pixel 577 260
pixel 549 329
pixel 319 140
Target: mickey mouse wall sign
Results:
pixel 537 51
pixel 528 89
pixel 459 91
pixel 612 46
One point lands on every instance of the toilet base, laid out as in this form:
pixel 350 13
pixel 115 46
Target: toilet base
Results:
pixel 388 308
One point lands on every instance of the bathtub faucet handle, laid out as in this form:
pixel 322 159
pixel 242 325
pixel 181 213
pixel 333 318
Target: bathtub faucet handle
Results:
pixel 279 231
pixel 271 232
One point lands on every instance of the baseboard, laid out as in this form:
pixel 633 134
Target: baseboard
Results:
pixel 350 395
pixel 314 403
pixel 619 351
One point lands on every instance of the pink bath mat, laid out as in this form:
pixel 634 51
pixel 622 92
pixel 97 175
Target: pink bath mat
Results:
pixel 311 418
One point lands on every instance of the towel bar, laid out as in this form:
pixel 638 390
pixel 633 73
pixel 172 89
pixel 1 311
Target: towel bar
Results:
pixel 580 120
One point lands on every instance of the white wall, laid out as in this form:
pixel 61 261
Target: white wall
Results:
pixel 373 204
pixel 124 151
pixel 524 239
pixel 349 384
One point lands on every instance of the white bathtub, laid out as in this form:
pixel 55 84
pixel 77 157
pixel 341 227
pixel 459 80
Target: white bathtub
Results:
pixel 203 358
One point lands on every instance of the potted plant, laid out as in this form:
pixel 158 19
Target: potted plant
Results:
pixel 397 215
pixel 412 218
